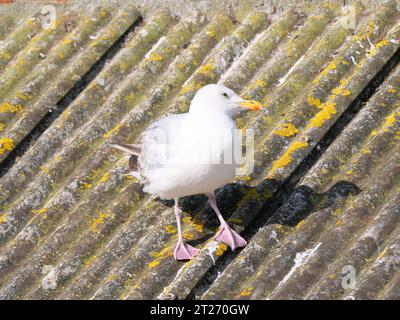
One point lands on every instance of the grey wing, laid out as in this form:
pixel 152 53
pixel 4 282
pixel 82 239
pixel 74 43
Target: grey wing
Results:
pixel 156 139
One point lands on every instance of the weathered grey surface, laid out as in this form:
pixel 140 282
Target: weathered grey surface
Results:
pixel 73 227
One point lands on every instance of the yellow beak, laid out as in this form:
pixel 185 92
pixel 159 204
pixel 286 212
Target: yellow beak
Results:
pixel 251 104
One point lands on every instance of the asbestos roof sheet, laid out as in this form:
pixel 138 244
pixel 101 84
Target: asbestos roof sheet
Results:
pixel 324 195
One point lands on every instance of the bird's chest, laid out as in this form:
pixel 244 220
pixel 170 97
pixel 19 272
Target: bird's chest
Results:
pixel 209 142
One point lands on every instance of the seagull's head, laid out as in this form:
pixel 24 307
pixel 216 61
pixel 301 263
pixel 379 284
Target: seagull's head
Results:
pixel 218 98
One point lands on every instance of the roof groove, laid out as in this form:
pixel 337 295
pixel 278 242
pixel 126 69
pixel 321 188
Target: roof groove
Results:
pixel 46 172
pixel 258 52
pixel 360 252
pixel 331 240
pixel 370 117
pixel 290 51
pixel 384 269
pixel 27 93
pixel 313 133
pixel 7 24
pixel 220 59
pixel 363 199
pixel 291 91
pixel 305 241
pixel 121 243
pixel 73 72
pixel 26 59
pixel 90 235
pixel 18 39
pixel 72 226
pixel 78 110
pixel 392 292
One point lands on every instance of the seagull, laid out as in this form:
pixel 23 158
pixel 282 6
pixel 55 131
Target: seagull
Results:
pixel 191 153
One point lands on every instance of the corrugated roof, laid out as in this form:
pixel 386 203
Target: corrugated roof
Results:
pixel 323 197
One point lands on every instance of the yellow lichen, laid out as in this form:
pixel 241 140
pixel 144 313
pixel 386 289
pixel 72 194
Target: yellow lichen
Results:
pixel 221 248
pixel 86 185
pixel 246 292
pixel 39 211
pixel 383 253
pixel 195 224
pixel 366 32
pixel 99 220
pixel 365 150
pixel 210 33
pixel 325 71
pixel 104 13
pixel 287 130
pixel 382 43
pixel 44 169
pixel 3 218
pixel 206 69
pixel 340 222
pixel 167 251
pixel 154 263
pixel 67 41
pixel 104 178
pixel 9 107
pixel 89 260
pixel 314 101
pixel 260 83
pixel 111 132
pixel 300 224
pixel 164 253
pixel 2 126
pixel 6 144
pixel 246 178
pixel 390 120
pixel 111 277
pixel 287 157
pixel 155 57
pixel 170 229
pixel 341 91
pixel 327 110
pixel 373 133
pixel 378 45
pixel 23 95
pixel 185 89
pixel 5 55
pixel 188 235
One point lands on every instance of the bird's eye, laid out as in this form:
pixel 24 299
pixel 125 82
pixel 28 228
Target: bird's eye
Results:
pixel 225 95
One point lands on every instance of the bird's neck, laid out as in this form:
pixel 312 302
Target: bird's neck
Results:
pixel 209 115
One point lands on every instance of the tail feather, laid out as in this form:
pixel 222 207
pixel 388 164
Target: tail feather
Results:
pixel 134 151
pixel 133 163
pixel 129 148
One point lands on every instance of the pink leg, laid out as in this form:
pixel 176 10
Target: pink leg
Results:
pixel 225 233
pixel 183 251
